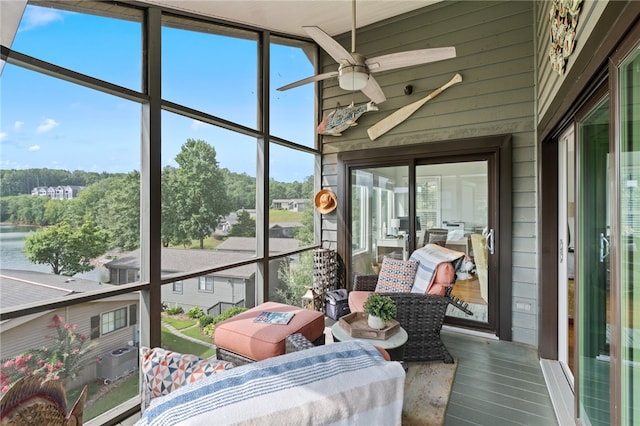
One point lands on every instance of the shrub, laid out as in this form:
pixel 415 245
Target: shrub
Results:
pixel 195 312
pixel 231 312
pixel 175 310
pixel 205 320
pixel 64 358
pixel 210 328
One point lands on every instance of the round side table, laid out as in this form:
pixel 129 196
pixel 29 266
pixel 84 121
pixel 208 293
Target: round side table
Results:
pixel 394 345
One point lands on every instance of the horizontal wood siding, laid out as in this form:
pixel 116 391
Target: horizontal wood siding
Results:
pixel 548 81
pixel 35 333
pixel 495 56
pixel 191 296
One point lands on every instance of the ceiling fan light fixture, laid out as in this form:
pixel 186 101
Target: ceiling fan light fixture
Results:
pixel 352 77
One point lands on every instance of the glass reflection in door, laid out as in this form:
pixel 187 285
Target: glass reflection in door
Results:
pixel 379 216
pixel 593 278
pixel 452 201
pixel 629 262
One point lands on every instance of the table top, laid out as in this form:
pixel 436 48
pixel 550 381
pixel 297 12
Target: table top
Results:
pixel 395 341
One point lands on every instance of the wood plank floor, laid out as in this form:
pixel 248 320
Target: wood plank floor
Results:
pixel 497 383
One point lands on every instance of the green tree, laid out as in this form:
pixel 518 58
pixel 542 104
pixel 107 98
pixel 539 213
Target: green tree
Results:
pixel 171 231
pixel 296 278
pixel 118 211
pixel 305 234
pixel 201 197
pixel 55 211
pixel 68 251
pixel 246 226
pixel 241 189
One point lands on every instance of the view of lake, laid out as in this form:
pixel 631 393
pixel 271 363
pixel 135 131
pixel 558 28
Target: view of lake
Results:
pixel 12 239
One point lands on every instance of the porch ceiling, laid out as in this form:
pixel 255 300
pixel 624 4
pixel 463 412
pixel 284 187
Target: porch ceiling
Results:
pixel 288 16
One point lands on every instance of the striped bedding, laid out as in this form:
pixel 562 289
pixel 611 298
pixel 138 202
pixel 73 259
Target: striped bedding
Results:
pixel 346 383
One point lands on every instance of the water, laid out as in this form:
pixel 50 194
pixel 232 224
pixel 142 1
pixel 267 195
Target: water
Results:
pixel 12 257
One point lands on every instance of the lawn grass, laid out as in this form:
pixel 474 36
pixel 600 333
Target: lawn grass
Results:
pixel 196 333
pixel 177 344
pixel 127 388
pixel 284 216
pixel 275 216
pixel 179 324
pixel 121 391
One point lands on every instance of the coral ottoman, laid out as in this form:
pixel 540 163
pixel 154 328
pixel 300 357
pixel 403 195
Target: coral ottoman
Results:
pixel 240 340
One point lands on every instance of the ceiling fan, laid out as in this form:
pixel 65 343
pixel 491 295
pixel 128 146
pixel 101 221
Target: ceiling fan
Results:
pixel 355 71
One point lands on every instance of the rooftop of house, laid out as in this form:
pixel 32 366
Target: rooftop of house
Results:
pixel 20 287
pixel 286 225
pixel 234 249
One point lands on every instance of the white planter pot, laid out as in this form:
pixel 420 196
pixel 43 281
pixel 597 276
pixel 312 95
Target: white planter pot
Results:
pixel 375 322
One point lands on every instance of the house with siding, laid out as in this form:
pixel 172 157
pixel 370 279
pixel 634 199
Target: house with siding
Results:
pixel 108 324
pixel 290 204
pixel 214 292
pixel 60 192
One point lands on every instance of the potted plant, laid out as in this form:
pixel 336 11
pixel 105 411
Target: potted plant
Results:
pixel 380 309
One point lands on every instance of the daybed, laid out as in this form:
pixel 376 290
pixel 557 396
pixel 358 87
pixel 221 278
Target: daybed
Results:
pixel 343 383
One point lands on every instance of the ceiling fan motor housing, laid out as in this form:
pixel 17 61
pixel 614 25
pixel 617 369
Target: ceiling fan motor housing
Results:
pixel 353 76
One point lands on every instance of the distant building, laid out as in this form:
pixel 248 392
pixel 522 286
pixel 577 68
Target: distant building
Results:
pixel 284 229
pixel 215 292
pixel 108 324
pixel 290 204
pixel 60 192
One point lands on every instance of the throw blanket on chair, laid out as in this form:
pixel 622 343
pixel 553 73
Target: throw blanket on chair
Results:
pixel 344 383
pixel 429 258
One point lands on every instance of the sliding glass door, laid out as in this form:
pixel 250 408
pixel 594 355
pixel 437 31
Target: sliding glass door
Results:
pixel 629 217
pixel 453 202
pixel 594 240
pixel 452 199
pixel 380 216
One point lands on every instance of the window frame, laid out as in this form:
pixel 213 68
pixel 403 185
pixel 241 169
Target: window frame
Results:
pixel 206 284
pixel 150 277
pixel 120 315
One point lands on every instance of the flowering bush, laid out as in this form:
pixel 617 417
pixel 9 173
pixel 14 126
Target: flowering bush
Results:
pixel 61 360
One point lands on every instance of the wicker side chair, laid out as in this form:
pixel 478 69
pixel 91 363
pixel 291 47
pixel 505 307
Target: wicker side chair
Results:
pixel 422 317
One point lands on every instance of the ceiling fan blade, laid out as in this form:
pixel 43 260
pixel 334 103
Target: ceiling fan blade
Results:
pixel 409 58
pixel 329 45
pixel 318 77
pixel 373 91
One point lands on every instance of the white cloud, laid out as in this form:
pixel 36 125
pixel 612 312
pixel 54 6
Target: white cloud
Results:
pixel 195 124
pixel 17 126
pixel 47 125
pixel 35 17
pixel 34 148
pixel 4 136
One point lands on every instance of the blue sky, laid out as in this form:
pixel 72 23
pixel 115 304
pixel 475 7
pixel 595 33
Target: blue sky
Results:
pixel 46 122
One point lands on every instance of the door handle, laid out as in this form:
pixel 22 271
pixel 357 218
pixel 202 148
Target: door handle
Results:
pixel 490 241
pixel 604 247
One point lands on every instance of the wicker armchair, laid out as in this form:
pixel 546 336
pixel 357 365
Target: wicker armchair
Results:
pixel 422 317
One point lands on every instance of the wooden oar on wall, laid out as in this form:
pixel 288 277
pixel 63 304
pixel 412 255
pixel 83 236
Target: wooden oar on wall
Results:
pixel 388 123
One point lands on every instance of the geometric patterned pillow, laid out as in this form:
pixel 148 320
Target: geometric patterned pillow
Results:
pixel 164 371
pixel 396 276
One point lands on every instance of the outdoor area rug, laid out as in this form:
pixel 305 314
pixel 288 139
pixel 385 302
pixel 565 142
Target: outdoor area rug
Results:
pixel 426 392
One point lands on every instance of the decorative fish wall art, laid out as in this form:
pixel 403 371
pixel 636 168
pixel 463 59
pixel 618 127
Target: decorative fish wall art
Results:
pixel 340 119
